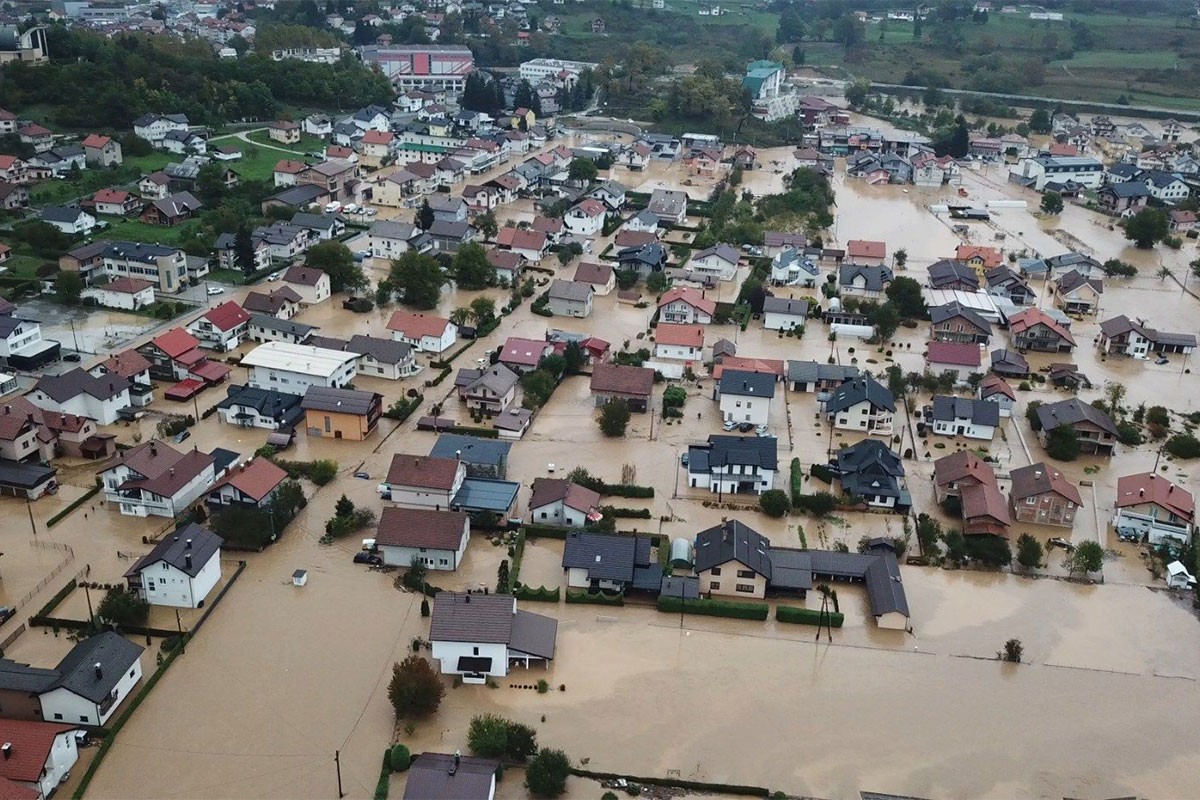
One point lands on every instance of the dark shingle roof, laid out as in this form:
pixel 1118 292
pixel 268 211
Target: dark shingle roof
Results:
pixel 606 556
pixel 438 776
pixel 939 314
pixel 187 550
pixel 1072 412
pixel 113 652
pixel 980 412
pixel 812 371
pixel 733 540
pixel 747 384
pixel 346 401
pixel 471 449
pixel 854 392
pixel 752 451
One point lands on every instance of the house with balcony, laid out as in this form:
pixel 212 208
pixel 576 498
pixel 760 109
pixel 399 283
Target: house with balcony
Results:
pixel 249 485
pixel 82 394
pixel 176 356
pixel 425 332
pixel 733 464
pixel 249 407
pixel 134 367
pixel 962 416
pixel 719 262
pixel 871 473
pixel 1076 293
pixel 182 569
pixel 338 413
pixel 221 328
pixel 480 636
pixel 490 390
pixel 1123 336
pixel 1096 430
pixel 1034 329
pixel 417 481
pixel 955 322
pixel 862 404
pixel 686 305
pixel 1154 509
pixel 152 479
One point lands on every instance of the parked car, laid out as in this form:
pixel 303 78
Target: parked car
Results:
pixel 274 276
pixel 1058 541
pixel 1162 360
pixel 1129 535
pixel 6 613
pixel 761 430
pixel 745 427
pixel 182 436
pixel 363 557
pixel 366 476
pixel 74 358
pixel 215 290
pixel 729 425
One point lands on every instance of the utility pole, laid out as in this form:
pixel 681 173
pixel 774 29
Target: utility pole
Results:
pixel 88 595
pixel 32 524
pixel 182 639
pixel 337 763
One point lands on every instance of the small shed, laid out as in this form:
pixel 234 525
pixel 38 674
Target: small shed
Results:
pixel 681 553
pixel 1178 577
pixel 685 587
pixel 300 577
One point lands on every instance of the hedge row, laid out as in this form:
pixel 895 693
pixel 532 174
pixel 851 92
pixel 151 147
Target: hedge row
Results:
pixel 628 513
pixel 441 377
pixel 545 532
pixel 797 481
pixel 385 776
pixel 617 489
pixel 57 518
pixel 467 430
pixel 402 409
pixel 539 595
pixel 53 603
pixel 808 616
pixel 597 598
pixel 713 608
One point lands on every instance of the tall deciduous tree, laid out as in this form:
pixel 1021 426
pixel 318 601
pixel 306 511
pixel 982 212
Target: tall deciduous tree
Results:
pixel 418 279
pixel 415 689
pixel 471 267
pixel 1147 227
pixel 335 260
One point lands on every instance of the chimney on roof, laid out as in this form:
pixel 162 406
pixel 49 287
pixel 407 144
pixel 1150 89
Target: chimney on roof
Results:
pixel 171 472
pixel 187 560
pixel 7 750
pixel 187 545
pixel 1141 492
pixel 153 449
pixel 453 765
pixel 99 671
pixel 1170 488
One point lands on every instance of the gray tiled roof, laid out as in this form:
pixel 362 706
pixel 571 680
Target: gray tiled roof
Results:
pixel 733 540
pixel 113 652
pixel 813 371
pixel 606 556
pixel 747 384
pixel 854 392
pixel 980 412
pixel 193 540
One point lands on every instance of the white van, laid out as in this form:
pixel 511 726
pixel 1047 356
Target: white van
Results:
pixel 333 208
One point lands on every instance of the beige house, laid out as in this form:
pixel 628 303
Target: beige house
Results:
pixel 732 560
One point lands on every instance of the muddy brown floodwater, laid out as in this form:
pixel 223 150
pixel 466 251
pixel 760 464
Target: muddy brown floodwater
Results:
pixel 281 677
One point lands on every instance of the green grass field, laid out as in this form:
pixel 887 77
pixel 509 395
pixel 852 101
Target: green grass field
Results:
pixel 138 231
pixel 1123 59
pixel 307 143
pixel 256 163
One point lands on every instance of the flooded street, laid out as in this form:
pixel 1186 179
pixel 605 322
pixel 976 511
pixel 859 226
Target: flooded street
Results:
pixel 281 677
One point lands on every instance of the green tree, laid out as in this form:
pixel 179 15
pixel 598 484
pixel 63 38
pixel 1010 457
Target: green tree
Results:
pixel 774 503
pixel 900 258
pixel 657 282
pixel 335 260
pixel 344 507
pixel 1088 557
pixel 546 775
pixel 1147 227
pixel 483 310
pixel 401 758
pixel 537 387
pixel 486 224
pixel 424 216
pixel 956 547
pixel 1039 121
pixel 905 294
pixel 614 417
pixel 418 279
pixel 471 267
pixel 1052 203
pixel 856 92
pixel 68 285
pixel 521 742
pixel 460 316
pixel 487 735
pixel 1029 551
pixel 415 689
pixel 123 608
pixel 1013 650
pixel 1062 443
pixel 582 170
pixel 1116 268
pixel 243 249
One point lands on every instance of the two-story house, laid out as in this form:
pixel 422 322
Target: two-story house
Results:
pixel 1096 430
pixel 718 262
pixel 687 306
pixel 425 332
pixel 488 390
pixel 954 322
pixel 22 346
pixel 561 502
pixel 331 412
pixel 423 481
pixel 1134 337
pixel 570 298
pixel 181 570
pixel 745 396
pixel 221 328
pixel 435 539
pixel 151 478
pixel 1033 329
pixel 862 404
pixel 962 416
pixel 1041 495
pixel 310 284
pixel 871 473
pixel 733 464
pixel 1076 293
pixel 679 342
pixel 82 394
pixel 1154 509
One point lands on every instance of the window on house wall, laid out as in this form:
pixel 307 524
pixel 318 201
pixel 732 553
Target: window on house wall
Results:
pixel 715 571
pixel 714 587
pixel 745 588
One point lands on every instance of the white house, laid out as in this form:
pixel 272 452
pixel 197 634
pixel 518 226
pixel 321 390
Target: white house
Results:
pixel 153 479
pixel 560 502
pixel 247 407
pixel 734 464
pixel 85 395
pixel 45 753
pixel 479 636
pixel 423 481
pixel 221 328
pixel 719 261
pixel 94 679
pixel 746 396
pixel 68 219
pixel 427 333
pixel 1155 509
pixel 586 218
pixel 181 570
pixel 862 404
pixel 961 358
pixel 784 313
pixel 682 342
pixel 995 389
pixel 1036 172
pixel 125 293
pixel 437 539
pixel 963 416
pixel 311 284
pixel 387 239
pixel 292 368
pixel 154 127
pixel 687 306
pixel 791 268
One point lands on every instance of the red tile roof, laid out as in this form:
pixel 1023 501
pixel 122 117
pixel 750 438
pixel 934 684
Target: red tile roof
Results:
pixel 127 285
pixel 290 167
pixel 127 364
pixel 572 495
pixel 863 248
pixel 426 472
pixel 693 297
pixel 525 352
pixel 377 137
pixel 517 238
pixel 503 259
pixel 31 745
pixel 621 379
pixel 96 141
pixel 963 354
pixel 415 326
pixel 634 238
pixel 256 479
pixel 16 791
pixel 994 384
pixel 1024 320
pixel 1146 487
pixel 110 196
pixel 590 208
pixel 990 255
pixel 175 342
pixel 685 335
pixel 227 316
